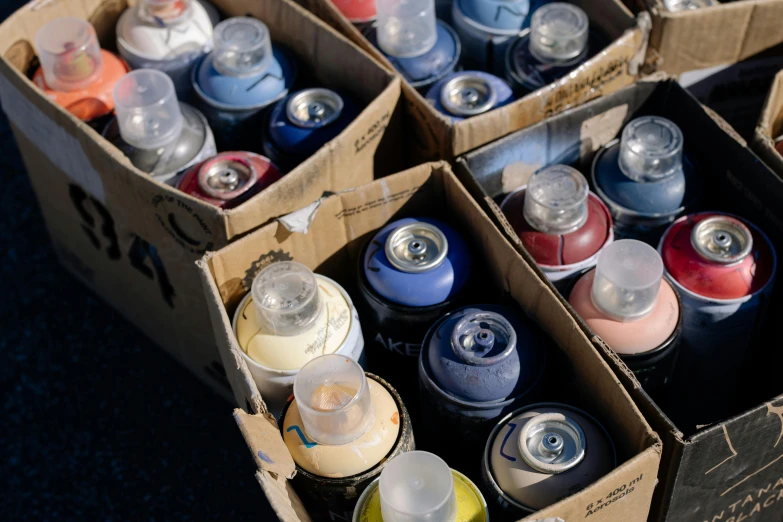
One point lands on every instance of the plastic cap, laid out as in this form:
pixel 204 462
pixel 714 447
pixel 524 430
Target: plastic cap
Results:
pixel 147 109
pixel 627 279
pixel 558 32
pixel 406 28
pixel 417 487
pixel 69 54
pixel 650 149
pixel 556 200
pixel 334 400
pixel 166 11
pixel 242 47
pixel 286 298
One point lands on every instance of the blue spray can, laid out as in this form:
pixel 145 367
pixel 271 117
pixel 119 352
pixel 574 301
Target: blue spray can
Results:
pixel 243 75
pixel 422 48
pixel 304 122
pixel 645 180
pixel 464 94
pixel 476 365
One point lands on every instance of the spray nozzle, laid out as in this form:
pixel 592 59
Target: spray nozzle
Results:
pixel 406 28
pixel 147 109
pixel 286 298
pixel 556 200
pixel 558 32
pixel 417 487
pixel 650 149
pixel 242 47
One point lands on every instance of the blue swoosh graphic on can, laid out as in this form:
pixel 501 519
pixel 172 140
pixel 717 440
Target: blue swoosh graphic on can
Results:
pixel 298 431
pixel 513 426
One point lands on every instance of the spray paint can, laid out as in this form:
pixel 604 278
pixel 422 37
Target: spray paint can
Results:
pixel 476 365
pixel 627 303
pixel 159 135
pixel 541 454
pixel 421 483
pixel 486 27
pixel 421 48
pixel 724 269
pixel 304 122
pixel 644 179
pixel 358 12
pixel 341 428
pixel 464 94
pixel 289 317
pixel 675 6
pixel 75 72
pixel 561 224
pixel 410 273
pixel 228 179
pixel 559 41
pixel 243 75
pixel 167 35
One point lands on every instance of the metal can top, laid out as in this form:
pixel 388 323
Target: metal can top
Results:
pixel 718 256
pixel 314 108
pixel 416 247
pixel 468 94
pixel 687 5
pixel 226 176
pixel 483 338
pixel 552 443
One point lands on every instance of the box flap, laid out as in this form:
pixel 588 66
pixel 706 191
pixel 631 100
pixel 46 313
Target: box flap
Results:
pixel 263 438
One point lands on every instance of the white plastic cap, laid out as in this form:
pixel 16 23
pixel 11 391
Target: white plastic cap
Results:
pixel 166 11
pixel 556 200
pixel 334 400
pixel 286 298
pixel 147 109
pixel 558 32
pixel 627 280
pixel 417 487
pixel 650 149
pixel 406 28
pixel 69 54
pixel 242 46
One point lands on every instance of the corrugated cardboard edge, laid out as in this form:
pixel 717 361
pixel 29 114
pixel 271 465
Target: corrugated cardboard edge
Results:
pixel 770 126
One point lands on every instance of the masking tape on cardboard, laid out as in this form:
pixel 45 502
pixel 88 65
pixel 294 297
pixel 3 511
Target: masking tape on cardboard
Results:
pixel 53 141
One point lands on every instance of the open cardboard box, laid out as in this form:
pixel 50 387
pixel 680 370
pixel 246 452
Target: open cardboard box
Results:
pixel 437 137
pixel 338 227
pixel 770 127
pixel 730 470
pixel 134 240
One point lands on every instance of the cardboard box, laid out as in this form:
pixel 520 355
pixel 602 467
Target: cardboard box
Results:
pixel 338 228
pixel 134 240
pixel 710 36
pixel 733 470
pixel 770 126
pixel 615 67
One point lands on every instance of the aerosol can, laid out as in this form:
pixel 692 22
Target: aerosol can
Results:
pixel 485 28
pixel 675 6
pixel 464 94
pixel 626 301
pixel 228 179
pixel 724 269
pixel 75 72
pixel 243 75
pixel 644 179
pixel 341 428
pixel 476 365
pixel 420 487
pixel 160 136
pixel 304 122
pixel 290 317
pixel 541 454
pixel 559 41
pixel 359 12
pixel 421 48
pixel 167 35
pixel 410 273
pixel 561 224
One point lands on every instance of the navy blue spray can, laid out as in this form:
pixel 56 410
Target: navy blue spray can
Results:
pixel 645 180
pixel 243 75
pixel 304 122
pixel 477 364
pixel 422 48
pixel 410 273
pixel 464 94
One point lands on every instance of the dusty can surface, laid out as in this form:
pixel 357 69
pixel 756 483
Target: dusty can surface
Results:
pixel 541 454
pixel 464 94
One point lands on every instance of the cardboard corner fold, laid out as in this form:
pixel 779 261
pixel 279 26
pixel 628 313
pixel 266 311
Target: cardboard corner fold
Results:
pixel 262 436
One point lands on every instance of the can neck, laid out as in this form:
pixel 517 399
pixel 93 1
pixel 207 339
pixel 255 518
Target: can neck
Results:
pixel 225 177
pixel 468 95
pixel 483 339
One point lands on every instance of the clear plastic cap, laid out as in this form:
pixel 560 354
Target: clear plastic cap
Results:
pixel 334 400
pixel 69 54
pixel 558 32
pixel 286 298
pixel 556 200
pixel 417 487
pixel 166 11
pixel 406 28
pixel 650 149
pixel 627 279
pixel 147 109
pixel 242 47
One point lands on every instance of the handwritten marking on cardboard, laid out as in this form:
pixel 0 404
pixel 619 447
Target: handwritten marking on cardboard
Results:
pixel 751 503
pixel 776 410
pixel 731 448
pixel 266 458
